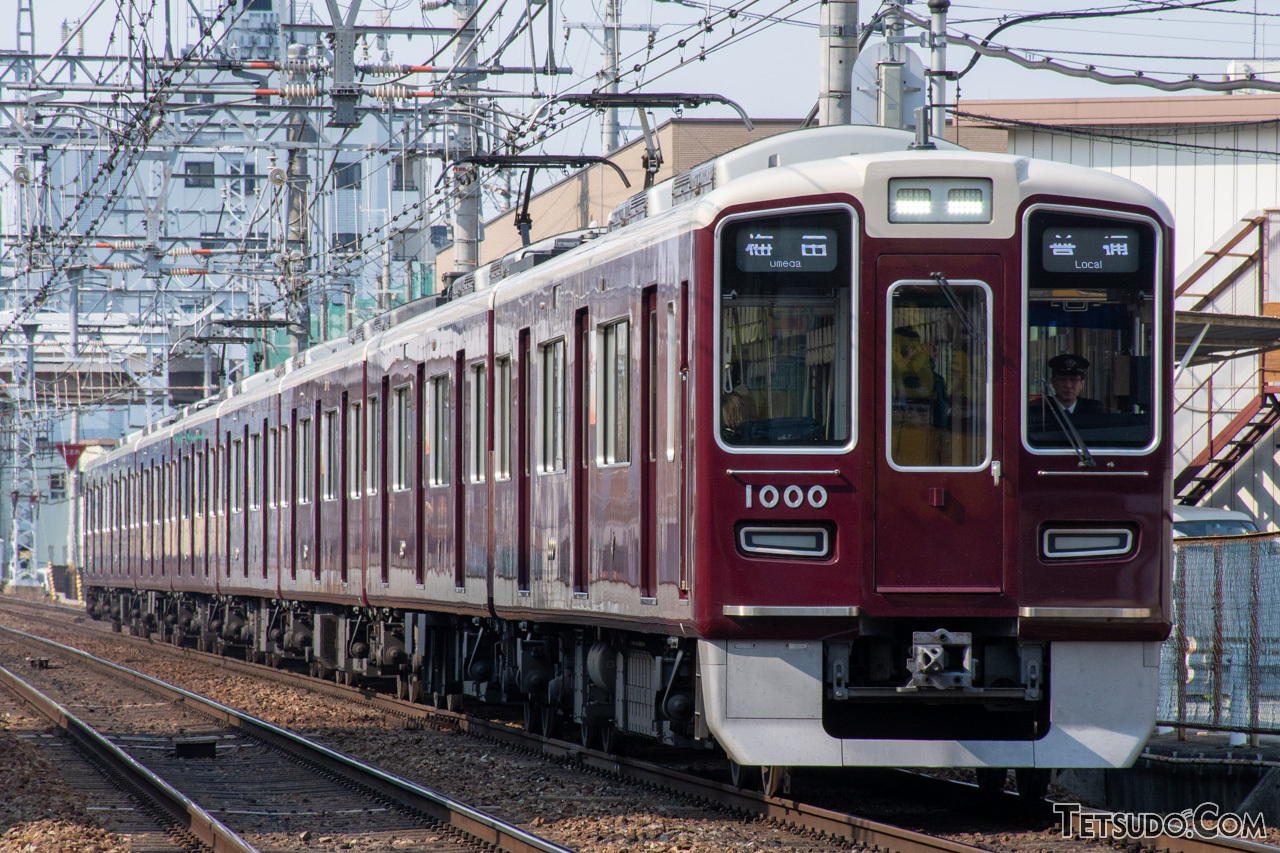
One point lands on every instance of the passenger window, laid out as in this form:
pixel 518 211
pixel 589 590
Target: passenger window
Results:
pixel 614 424
pixel 551 446
pixel 441 429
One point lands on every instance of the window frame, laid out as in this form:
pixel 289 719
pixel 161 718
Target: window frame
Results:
pixel 613 395
pixel 552 421
pixel 990 390
pixel 1159 294
pixel 854 223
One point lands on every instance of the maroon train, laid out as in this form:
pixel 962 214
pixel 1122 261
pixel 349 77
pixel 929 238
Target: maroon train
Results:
pixel 775 463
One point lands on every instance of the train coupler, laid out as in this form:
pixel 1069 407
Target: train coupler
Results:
pixel 941 659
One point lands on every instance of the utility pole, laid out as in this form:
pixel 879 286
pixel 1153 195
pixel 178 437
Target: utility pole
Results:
pixel 938 66
pixel 26 491
pixel 465 143
pixel 837 52
pixel 608 77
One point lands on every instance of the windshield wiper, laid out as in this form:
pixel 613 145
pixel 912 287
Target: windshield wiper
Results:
pixel 950 292
pixel 1068 428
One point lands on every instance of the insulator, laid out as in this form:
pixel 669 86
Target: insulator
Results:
pixel 302 66
pixel 185 271
pixel 122 266
pixel 179 251
pixel 299 91
pixel 391 92
pixel 126 245
pixel 387 68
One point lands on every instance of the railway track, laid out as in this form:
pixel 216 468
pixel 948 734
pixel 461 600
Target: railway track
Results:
pixel 828 822
pixel 273 783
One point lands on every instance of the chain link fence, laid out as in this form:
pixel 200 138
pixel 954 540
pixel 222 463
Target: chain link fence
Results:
pixel 1220 667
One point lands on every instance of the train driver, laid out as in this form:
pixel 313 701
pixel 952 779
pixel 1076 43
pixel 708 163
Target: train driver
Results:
pixel 1068 372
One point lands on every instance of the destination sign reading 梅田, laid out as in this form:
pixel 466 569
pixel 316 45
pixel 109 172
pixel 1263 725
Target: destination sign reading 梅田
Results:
pixel 1091 250
pixel 786 248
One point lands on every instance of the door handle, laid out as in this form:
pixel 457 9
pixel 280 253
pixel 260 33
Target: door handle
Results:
pixel 995 471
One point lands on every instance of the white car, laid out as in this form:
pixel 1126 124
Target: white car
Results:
pixel 1210 521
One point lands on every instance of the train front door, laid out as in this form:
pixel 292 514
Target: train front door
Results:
pixel 938 492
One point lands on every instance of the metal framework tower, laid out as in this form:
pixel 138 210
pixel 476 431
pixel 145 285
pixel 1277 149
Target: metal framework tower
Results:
pixel 26 39
pixel 26 490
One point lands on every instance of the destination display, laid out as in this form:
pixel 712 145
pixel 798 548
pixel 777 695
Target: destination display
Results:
pixel 1091 250
pixel 787 248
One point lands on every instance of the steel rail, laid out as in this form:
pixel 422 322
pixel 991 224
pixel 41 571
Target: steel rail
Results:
pixel 473 822
pixel 875 835
pixel 186 814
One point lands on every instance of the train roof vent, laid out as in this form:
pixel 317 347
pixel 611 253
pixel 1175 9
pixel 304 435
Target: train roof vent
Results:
pixel 693 183
pixel 634 208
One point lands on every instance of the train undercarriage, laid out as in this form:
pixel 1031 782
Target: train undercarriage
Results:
pixel 600 685
pixel 897 695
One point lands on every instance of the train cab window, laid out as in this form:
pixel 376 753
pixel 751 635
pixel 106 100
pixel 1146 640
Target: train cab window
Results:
pixel 614 421
pixel 1091 347
pixel 330 459
pixel 440 447
pixel 400 440
pixel 551 407
pixel 939 382
pixel 502 418
pixel 355 450
pixel 785 370
pixel 479 422
pixel 302 460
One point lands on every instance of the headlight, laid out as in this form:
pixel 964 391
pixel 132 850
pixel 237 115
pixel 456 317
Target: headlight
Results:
pixel 784 541
pixel 940 200
pixel 1065 543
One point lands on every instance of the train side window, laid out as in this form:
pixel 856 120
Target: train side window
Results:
pixel 479 422
pixel 215 482
pixel 269 468
pixel 502 418
pixel 441 429
pixel 282 480
pixel 673 380
pixel 355 450
pixel 373 443
pixel 253 472
pixel 184 488
pixel 551 450
pixel 330 459
pixel 197 485
pixel 400 438
pixel 939 384
pixel 302 460
pixel 613 425
pixel 785 332
pixel 237 475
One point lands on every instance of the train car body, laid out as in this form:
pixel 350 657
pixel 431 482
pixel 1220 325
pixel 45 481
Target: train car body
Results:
pixel 777 462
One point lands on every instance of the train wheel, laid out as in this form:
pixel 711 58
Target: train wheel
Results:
pixel 612 740
pixel 991 781
pixel 775 780
pixel 532 717
pixel 589 735
pixel 743 777
pixel 550 721
pixel 1032 782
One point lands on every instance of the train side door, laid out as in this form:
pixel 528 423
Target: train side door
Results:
pixel 938 497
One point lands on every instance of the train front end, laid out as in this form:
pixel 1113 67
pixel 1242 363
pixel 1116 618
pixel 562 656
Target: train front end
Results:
pixel 931 463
